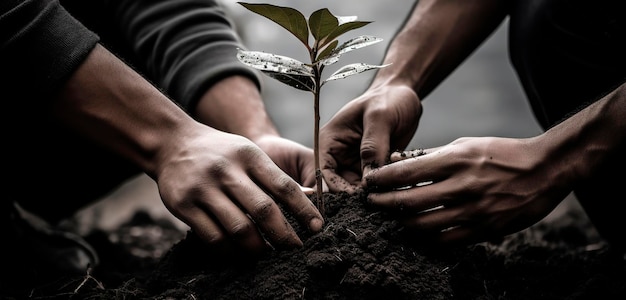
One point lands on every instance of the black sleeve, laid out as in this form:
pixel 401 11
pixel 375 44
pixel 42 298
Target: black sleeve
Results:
pixel 185 46
pixel 41 44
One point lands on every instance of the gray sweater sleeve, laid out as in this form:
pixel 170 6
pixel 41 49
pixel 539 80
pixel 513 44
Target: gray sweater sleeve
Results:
pixel 185 46
pixel 41 45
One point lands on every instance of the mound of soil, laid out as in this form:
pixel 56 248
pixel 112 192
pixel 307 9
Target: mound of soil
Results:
pixel 361 254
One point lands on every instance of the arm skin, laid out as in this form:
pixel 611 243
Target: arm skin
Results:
pixel 482 188
pixel 437 36
pixel 487 187
pixel 221 185
pixel 188 47
pixel 235 105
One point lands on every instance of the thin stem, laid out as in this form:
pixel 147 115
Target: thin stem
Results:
pixel 317 71
pixel 316 140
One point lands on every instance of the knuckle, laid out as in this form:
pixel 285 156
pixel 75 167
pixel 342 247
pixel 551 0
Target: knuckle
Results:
pixel 262 210
pixel 185 202
pixel 212 237
pixel 285 185
pixel 380 110
pixel 241 230
pixel 249 151
pixel 219 167
pixel 368 150
pixel 284 240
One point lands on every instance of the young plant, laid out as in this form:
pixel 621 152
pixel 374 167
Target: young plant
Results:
pixel 324 51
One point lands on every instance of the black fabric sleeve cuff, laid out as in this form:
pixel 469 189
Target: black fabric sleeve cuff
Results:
pixel 42 45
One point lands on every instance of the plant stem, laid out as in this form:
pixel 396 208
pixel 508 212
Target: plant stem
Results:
pixel 319 177
pixel 316 141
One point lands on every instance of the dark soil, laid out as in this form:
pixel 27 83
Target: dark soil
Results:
pixel 361 254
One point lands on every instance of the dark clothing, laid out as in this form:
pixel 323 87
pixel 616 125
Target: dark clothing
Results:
pixel 567 54
pixel 182 46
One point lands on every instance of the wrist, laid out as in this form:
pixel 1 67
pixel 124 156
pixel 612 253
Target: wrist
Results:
pixel 391 80
pixel 584 142
pixel 408 65
pixel 110 103
pixel 235 105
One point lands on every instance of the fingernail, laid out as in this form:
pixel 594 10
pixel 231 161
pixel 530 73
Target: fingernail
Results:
pixel 307 190
pixel 298 244
pixel 316 224
pixel 367 169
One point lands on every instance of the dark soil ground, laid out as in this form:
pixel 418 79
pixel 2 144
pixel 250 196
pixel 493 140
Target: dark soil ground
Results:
pixel 361 254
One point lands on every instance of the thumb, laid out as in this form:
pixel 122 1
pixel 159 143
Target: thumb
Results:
pixel 374 146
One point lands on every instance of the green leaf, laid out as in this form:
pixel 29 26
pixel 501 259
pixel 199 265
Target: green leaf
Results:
pixel 341 29
pixel 322 22
pixel 305 83
pixel 350 45
pixel 346 19
pixel 282 68
pixel 287 17
pixel 328 50
pixel 352 69
pixel 274 63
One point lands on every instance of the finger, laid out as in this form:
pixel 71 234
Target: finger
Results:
pixel 307 190
pixel 460 235
pixel 336 183
pixel 374 148
pixel 307 167
pixel 286 191
pixel 210 233
pixel 238 227
pixel 267 215
pixel 450 226
pixel 465 235
pixel 406 154
pixel 436 219
pixel 414 199
pixel 410 172
pixel 419 198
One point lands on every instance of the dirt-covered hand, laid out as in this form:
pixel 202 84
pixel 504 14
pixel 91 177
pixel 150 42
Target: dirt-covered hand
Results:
pixel 225 187
pixel 293 158
pixel 471 190
pixel 363 133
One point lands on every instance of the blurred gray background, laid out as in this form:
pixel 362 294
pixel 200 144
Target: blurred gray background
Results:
pixel 481 98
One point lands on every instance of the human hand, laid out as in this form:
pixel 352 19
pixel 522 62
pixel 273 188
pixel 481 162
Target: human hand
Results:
pixel 234 105
pixel 224 187
pixel 294 159
pixel 363 132
pixel 471 190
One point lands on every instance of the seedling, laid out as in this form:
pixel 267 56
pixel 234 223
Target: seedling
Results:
pixel 324 51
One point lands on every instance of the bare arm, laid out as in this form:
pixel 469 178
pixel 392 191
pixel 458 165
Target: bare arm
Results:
pixel 487 187
pixel 188 47
pixel 436 37
pixel 222 185
pixel 234 105
pixel 121 111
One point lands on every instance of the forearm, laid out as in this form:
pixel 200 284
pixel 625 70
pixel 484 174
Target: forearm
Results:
pixel 235 105
pixel 582 143
pixel 436 38
pixel 107 101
